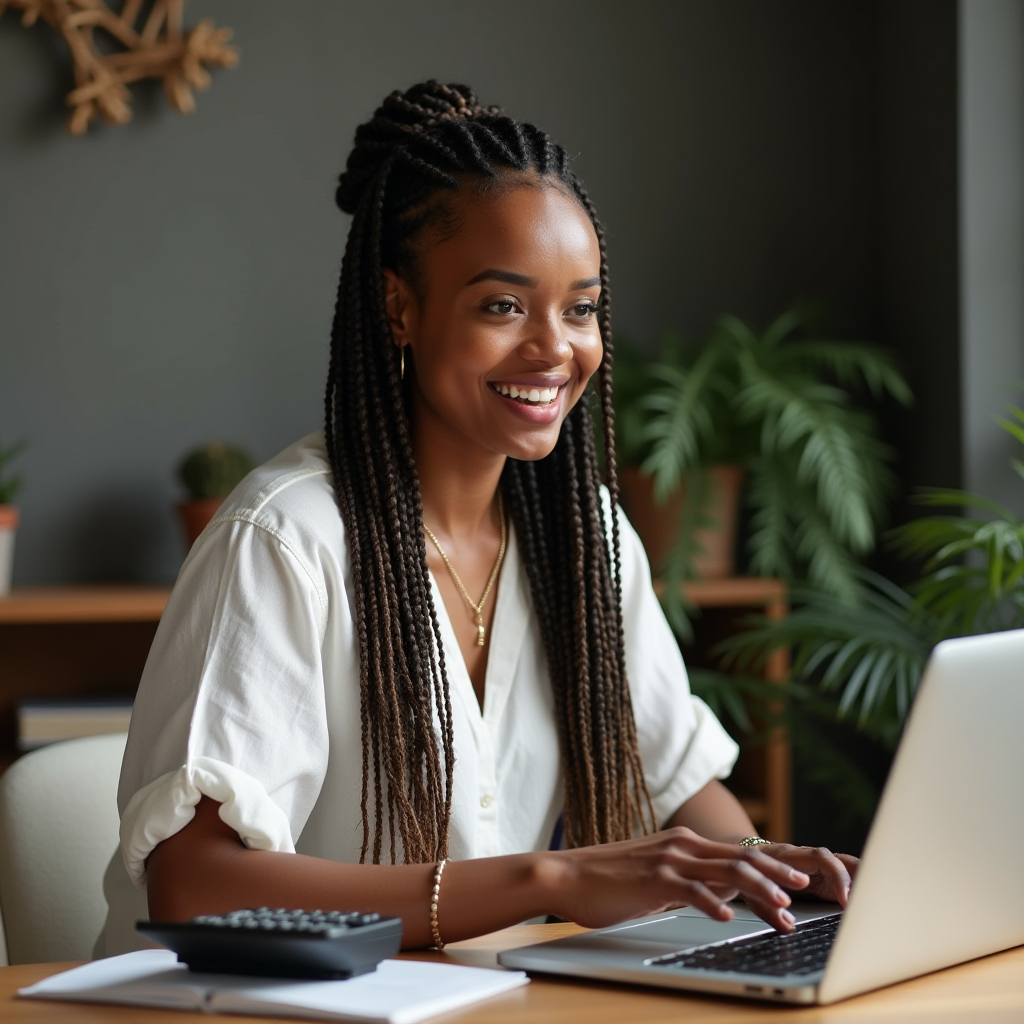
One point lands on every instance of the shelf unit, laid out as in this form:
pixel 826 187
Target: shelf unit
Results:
pixel 72 642
pixel 763 778
pixel 78 641
pixel 46 605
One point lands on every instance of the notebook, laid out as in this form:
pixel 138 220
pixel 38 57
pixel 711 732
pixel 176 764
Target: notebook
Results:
pixel 398 992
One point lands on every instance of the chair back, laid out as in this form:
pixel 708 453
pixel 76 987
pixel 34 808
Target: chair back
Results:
pixel 58 829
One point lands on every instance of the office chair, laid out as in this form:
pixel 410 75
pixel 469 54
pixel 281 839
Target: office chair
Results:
pixel 58 829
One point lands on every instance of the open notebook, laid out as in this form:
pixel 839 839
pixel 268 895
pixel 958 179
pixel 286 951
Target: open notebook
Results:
pixel 398 992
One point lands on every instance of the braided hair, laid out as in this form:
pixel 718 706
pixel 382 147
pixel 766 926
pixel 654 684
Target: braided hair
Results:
pixel 422 151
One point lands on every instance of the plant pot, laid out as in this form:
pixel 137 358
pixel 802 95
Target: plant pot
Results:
pixel 658 525
pixel 9 519
pixel 195 516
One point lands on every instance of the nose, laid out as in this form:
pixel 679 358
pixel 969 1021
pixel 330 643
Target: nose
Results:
pixel 545 342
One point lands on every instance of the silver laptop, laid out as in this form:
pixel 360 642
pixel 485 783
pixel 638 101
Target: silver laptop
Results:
pixel 940 881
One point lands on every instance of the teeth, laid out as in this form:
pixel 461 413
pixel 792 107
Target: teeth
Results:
pixel 538 395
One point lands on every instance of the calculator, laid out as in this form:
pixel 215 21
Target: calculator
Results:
pixel 280 943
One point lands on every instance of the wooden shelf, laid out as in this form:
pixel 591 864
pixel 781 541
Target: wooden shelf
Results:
pixel 71 642
pixel 737 592
pixel 766 768
pixel 71 661
pixel 759 810
pixel 28 605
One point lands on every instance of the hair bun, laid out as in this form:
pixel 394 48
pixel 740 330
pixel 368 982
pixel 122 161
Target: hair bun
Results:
pixel 402 114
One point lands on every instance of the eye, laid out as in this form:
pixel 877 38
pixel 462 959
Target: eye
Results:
pixel 583 310
pixel 503 307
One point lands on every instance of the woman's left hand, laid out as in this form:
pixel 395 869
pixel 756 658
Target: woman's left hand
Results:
pixel 831 874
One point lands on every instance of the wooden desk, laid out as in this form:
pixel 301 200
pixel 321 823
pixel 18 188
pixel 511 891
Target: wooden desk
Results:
pixel 986 991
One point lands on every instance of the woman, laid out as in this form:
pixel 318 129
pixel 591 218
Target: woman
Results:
pixel 423 634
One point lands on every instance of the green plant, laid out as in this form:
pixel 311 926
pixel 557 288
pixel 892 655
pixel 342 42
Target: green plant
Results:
pixel 864 659
pixel 782 404
pixel 214 470
pixel 10 483
pixel 974 580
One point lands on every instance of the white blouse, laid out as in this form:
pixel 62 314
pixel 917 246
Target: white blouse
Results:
pixel 251 692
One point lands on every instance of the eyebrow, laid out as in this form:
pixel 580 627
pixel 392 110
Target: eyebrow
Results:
pixel 508 277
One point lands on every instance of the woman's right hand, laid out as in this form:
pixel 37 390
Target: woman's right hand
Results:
pixel 597 886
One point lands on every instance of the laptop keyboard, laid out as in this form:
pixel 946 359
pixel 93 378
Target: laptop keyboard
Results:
pixel 803 951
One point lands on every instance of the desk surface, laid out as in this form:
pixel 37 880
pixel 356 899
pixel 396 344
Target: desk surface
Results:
pixel 985 991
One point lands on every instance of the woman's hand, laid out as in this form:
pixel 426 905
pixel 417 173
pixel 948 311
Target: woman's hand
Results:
pixel 830 874
pixel 601 885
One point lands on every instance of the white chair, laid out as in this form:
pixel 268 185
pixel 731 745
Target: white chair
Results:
pixel 58 829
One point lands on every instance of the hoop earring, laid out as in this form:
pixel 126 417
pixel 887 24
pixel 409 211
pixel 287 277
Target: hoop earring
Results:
pixel 401 363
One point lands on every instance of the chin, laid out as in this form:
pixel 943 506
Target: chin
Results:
pixel 530 449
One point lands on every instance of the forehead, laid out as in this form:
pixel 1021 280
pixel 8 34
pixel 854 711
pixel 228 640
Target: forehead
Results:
pixel 535 229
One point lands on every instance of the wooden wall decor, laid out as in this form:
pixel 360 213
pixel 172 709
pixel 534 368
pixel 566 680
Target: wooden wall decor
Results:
pixel 161 48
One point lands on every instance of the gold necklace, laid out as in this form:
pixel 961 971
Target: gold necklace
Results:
pixel 478 607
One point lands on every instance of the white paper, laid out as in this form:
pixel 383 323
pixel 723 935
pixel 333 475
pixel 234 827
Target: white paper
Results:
pixel 149 977
pixel 398 992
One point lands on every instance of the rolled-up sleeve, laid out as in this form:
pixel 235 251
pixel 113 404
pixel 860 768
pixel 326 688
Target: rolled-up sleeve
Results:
pixel 231 705
pixel 682 744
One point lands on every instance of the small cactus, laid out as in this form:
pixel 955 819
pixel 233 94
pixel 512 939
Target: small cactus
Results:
pixel 214 470
pixel 10 483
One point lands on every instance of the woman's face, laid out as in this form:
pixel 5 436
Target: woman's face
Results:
pixel 503 334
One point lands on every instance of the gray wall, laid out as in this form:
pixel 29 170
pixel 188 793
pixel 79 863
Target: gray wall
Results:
pixel 916 239
pixel 171 281
pixel 992 239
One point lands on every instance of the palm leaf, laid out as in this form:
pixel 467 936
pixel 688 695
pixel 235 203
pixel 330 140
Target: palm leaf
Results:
pixel 678 563
pixel 679 419
pixel 810 419
pixel 768 493
pixel 870 654
pixel 853 364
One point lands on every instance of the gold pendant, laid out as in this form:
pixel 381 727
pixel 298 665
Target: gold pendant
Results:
pixel 480 633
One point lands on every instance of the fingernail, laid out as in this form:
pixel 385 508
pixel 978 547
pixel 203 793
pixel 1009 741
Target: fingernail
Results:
pixel 799 877
pixel 782 898
pixel 787 917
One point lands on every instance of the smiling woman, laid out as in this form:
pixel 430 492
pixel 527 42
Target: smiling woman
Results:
pixel 326 681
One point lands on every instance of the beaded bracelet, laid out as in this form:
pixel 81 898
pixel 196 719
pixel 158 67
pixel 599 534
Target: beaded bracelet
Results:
pixel 434 899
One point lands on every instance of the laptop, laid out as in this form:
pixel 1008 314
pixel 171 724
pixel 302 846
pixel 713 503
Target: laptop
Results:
pixel 940 881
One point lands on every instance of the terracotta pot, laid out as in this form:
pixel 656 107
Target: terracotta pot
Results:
pixel 196 515
pixel 9 519
pixel 658 525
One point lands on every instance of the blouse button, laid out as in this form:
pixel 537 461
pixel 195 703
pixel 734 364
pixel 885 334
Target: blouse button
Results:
pixel 486 800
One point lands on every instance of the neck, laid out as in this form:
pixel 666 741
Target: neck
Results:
pixel 458 479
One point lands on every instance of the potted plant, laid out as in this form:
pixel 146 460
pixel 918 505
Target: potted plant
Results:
pixel 210 473
pixel 861 661
pixel 781 406
pixel 10 486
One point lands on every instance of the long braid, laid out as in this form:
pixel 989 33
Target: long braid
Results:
pixel 420 148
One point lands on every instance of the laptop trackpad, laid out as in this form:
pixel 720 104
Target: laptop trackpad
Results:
pixel 679 931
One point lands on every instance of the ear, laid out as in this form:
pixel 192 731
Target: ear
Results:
pixel 401 307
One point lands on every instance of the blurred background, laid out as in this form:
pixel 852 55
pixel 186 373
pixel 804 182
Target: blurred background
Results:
pixel 170 281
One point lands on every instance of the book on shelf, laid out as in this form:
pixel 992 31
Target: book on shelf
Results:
pixel 49 720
